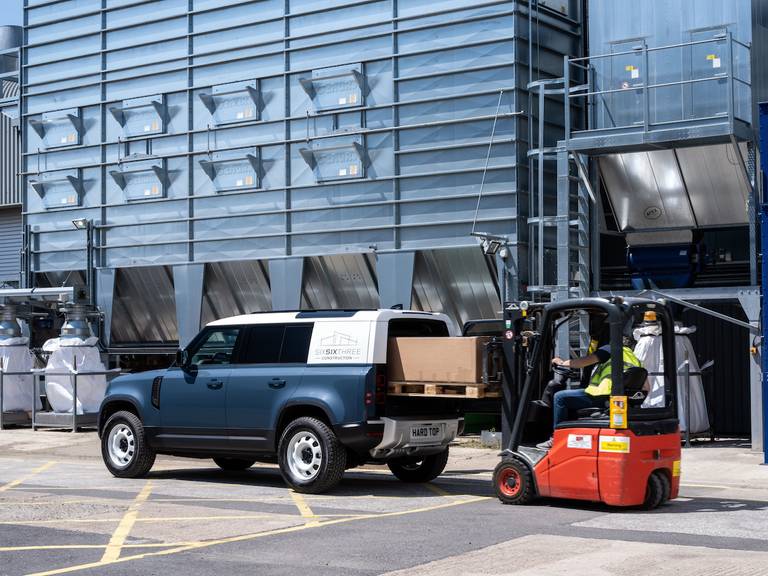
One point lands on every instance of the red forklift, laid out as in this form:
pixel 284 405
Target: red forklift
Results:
pixel 623 455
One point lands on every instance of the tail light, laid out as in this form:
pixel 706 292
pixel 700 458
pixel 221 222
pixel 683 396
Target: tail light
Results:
pixel 381 386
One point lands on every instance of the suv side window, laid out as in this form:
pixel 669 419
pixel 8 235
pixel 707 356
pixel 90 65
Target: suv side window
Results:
pixel 296 343
pixel 261 344
pixel 216 347
pixel 275 344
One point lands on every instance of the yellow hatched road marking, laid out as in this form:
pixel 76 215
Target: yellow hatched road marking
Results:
pixel 123 529
pixel 254 536
pixel 34 472
pixel 304 509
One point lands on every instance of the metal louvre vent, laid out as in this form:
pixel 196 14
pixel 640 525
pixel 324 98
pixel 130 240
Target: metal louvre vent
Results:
pixel 336 159
pixel 60 128
pixel 141 116
pixel 233 169
pixel 336 88
pixel 59 189
pixel 142 180
pixel 233 102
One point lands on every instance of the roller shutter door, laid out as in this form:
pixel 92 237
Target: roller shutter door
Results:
pixel 10 244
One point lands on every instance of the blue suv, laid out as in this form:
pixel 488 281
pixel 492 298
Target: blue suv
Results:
pixel 305 389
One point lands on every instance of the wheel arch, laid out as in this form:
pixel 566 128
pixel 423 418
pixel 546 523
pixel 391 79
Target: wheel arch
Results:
pixel 293 411
pixel 114 405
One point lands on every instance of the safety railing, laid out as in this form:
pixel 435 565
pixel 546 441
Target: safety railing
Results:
pixel 51 419
pixel 644 88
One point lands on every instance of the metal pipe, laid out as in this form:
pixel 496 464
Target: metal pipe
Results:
pixel 687 381
pixel 2 392
pixel 74 393
pixel 718 315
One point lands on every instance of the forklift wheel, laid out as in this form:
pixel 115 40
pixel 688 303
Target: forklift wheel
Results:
pixel 654 493
pixel 513 482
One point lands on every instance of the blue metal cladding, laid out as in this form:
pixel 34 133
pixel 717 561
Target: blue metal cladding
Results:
pixel 623 27
pixel 210 130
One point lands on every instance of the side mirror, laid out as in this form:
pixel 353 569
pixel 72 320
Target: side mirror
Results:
pixel 182 358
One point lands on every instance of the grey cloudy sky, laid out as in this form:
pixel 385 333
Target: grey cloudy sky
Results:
pixel 10 11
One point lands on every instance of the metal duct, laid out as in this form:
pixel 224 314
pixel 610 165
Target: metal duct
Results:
pixel 233 288
pixel 11 37
pixel 460 282
pixel 682 188
pixel 340 281
pixel 145 306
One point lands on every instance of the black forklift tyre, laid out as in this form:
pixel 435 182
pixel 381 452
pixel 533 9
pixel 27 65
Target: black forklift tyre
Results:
pixel 513 482
pixel 654 492
pixel 666 487
pixel 424 470
pixel 234 464
pixel 124 446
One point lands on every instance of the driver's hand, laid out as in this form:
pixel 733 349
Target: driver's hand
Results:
pixel 557 361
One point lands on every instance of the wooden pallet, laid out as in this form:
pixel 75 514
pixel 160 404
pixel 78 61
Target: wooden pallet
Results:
pixel 443 390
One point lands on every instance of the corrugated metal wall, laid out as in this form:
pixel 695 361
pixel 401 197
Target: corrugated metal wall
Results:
pixel 10 245
pixel 276 128
pixel 10 153
pixel 727 384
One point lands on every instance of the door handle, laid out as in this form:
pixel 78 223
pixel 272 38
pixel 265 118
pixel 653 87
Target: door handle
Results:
pixel 215 384
pixel 276 383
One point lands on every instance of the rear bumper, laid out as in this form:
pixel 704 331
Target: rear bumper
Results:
pixel 396 438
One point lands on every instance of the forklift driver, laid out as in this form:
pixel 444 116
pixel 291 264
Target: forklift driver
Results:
pixel 599 388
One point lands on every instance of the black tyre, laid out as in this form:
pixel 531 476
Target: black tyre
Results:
pixel 513 482
pixel 424 470
pixel 654 493
pixel 124 446
pixel 666 486
pixel 234 464
pixel 310 456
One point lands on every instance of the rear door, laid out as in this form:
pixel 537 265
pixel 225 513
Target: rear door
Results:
pixel 269 368
pixel 192 399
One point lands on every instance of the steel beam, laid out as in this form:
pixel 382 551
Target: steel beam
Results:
pixel 188 288
pixel 285 279
pixel 394 272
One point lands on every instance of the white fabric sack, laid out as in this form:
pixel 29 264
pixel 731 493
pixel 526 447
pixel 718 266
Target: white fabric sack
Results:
pixel 18 391
pixel 66 353
pixel 649 351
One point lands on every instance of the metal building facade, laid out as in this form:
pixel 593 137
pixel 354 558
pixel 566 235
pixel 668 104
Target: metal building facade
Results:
pixel 280 153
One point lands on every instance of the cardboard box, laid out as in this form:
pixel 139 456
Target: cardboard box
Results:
pixel 435 359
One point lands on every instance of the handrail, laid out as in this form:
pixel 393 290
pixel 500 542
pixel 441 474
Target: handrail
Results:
pixel 727 68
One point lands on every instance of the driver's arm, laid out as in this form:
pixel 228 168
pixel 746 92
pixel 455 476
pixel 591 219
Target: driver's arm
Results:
pixel 577 362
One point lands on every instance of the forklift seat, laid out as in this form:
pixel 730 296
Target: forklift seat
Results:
pixel 634 379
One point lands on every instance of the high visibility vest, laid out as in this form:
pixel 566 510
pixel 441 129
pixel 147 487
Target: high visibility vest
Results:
pixel 600 384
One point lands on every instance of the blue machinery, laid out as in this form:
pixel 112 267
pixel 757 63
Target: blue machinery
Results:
pixel 764 282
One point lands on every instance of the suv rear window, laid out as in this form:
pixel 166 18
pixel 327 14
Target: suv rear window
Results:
pixel 416 327
pixel 275 344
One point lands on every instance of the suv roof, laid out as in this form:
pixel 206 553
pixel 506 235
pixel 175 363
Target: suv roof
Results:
pixel 347 315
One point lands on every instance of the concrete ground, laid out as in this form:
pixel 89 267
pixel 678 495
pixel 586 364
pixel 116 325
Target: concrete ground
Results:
pixel 61 512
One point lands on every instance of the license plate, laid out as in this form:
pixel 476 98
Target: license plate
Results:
pixel 427 433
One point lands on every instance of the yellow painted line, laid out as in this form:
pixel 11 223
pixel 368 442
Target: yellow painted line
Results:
pixel 708 486
pixel 254 536
pixel 156 519
pixel 23 479
pixel 436 489
pixel 123 529
pixel 304 509
pixel 90 546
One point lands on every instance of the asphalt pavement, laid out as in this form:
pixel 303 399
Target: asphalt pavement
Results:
pixel 61 512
